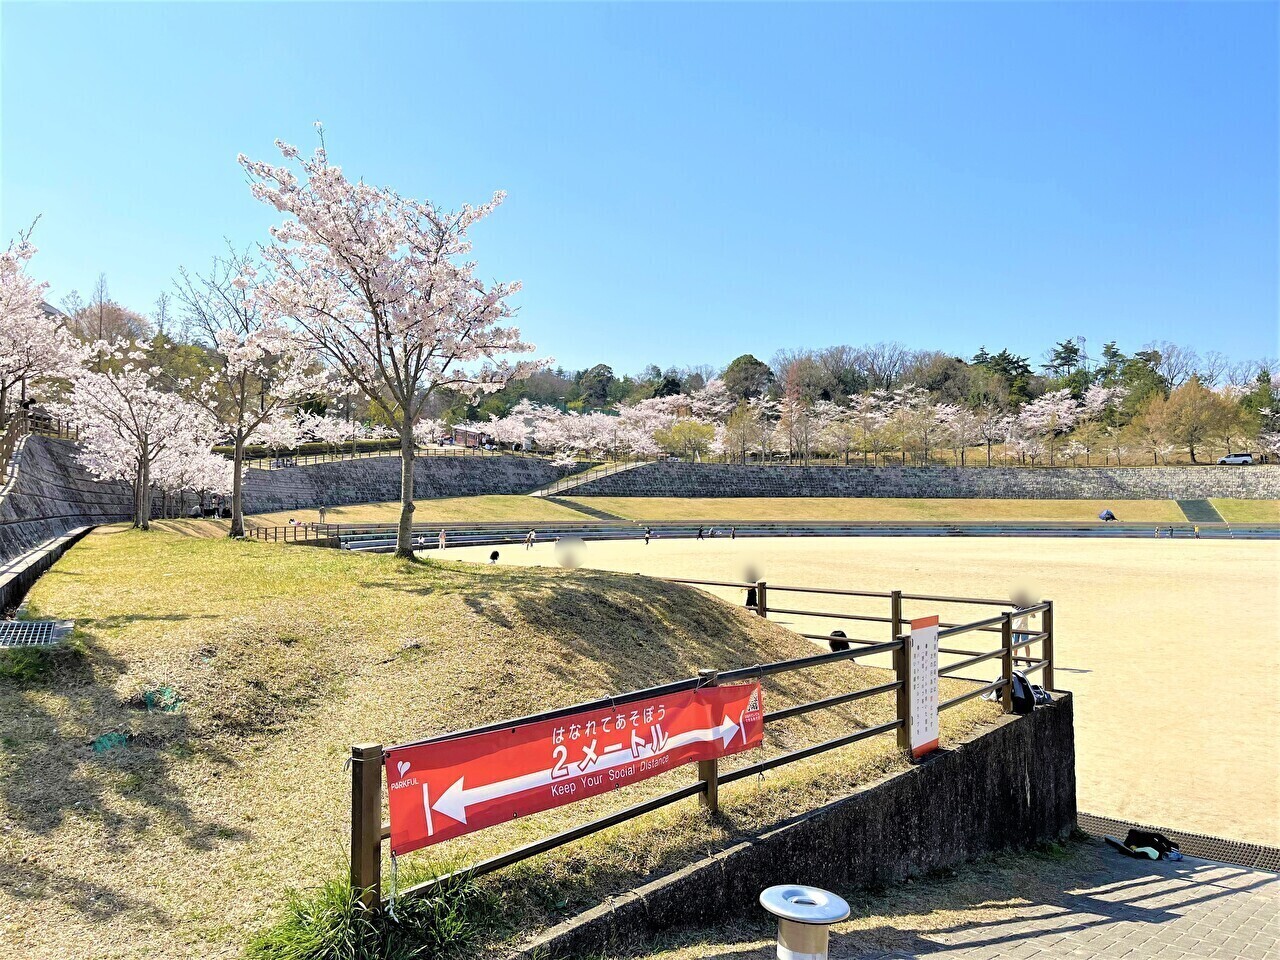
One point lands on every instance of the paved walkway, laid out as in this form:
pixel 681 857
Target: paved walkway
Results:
pixel 1091 905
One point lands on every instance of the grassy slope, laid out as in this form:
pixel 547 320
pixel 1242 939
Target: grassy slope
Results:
pixel 448 509
pixel 186 839
pixel 1249 511
pixel 839 508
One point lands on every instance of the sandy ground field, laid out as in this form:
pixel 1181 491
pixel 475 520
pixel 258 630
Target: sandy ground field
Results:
pixel 1170 646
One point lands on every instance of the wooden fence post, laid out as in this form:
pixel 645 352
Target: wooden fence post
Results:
pixel 1046 648
pixel 1006 661
pixel 901 670
pixel 709 770
pixel 762 599
pixel 366 823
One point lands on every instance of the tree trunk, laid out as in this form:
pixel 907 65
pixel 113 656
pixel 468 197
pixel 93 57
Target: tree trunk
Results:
pixel 144 496
pixel 1192 448
pixel 237 485
pixel 404 535
pixel 988 453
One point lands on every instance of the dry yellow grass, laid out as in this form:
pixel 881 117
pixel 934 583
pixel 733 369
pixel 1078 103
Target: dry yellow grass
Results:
pixel 877 508
pixel 1171 647
pixel 1249 511
pixel 183 841
pixel 488 509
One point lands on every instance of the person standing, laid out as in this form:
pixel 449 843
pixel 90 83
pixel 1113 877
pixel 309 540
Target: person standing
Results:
pixel 700 537
pixel 443 539
pixel 647 534
pixel 733 533
pixel 324 512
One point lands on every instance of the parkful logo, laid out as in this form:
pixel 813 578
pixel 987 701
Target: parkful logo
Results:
pixel 402 767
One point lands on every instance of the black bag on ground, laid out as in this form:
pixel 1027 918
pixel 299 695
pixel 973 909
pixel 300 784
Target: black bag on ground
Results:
pixel 1024 699
pixel 1147 838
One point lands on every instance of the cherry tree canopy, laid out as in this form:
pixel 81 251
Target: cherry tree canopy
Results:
pixel 34 344
pixel 127 423
pixel 382 286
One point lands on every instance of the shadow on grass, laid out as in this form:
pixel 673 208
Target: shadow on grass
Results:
pixel 112 776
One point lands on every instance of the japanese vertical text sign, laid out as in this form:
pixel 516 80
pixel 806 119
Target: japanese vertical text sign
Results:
pixel 443 789
pixel 924 686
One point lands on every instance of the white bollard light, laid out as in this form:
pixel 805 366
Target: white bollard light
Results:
pixel 805 915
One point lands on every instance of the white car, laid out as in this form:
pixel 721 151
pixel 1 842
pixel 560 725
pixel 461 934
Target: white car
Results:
pixel 1237 459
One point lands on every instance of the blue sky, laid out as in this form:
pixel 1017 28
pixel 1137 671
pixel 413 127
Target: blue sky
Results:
pixel 689 182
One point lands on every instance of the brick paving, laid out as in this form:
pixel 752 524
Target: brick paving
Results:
pixel 1093 904
pixel 1121 909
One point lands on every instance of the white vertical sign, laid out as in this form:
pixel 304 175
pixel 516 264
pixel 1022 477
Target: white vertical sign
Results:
pixel 924 686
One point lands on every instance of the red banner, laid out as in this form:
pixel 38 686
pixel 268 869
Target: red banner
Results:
pixel 437 791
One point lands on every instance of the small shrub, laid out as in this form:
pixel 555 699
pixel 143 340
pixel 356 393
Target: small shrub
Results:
pixel 327 924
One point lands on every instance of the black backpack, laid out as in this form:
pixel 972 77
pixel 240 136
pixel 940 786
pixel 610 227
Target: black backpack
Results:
pixel 1024 698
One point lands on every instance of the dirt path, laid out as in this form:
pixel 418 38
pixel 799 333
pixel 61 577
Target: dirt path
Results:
pixel 1170 646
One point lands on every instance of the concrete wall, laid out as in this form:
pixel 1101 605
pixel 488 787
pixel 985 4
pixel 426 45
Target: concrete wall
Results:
pixel 377 479
pixel 49 493
pixel 1062 483
pixel 1006 788
pixel 19 574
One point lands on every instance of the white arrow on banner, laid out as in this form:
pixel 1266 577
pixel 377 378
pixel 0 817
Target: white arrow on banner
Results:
pixel 453 802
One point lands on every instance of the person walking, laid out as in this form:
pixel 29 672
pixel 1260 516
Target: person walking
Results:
pixel 647 534
pixel 733 533
pixel 700 536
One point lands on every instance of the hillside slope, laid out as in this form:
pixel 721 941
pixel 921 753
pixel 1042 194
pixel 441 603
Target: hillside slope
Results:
pixel 173 833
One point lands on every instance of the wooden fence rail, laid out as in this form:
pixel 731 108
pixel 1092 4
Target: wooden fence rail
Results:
pixel 367 760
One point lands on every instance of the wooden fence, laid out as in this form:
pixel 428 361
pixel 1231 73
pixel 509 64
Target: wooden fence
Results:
pixel 368 830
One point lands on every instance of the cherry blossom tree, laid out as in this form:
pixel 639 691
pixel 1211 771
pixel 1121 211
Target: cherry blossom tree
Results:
pixel 382 286
pixel 34 344
pixel 259 371
pixel 127 423
pixel 1045 417
pixel 428 431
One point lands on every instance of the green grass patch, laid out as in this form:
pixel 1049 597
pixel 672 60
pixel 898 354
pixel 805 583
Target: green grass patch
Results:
pixel 328 923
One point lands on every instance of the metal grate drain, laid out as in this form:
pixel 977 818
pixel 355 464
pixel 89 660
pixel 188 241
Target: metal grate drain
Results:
pixel 15 634
pixel 1200 845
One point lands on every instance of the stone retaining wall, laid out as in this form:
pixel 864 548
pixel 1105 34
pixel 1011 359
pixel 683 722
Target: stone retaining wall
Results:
pixel 49 493
pixel 377 480
pixel 1059 483
pixel 19 574
pixel 1005 788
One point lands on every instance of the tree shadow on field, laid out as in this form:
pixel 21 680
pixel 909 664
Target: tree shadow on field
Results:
pixel 78 758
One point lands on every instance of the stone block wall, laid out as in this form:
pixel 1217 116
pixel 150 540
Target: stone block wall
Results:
pixel 49 493
pixel 1008 787
pixel 377 480
pixel 1059 483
